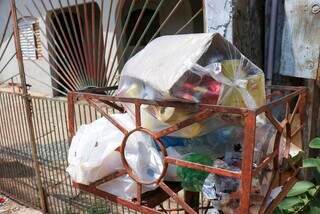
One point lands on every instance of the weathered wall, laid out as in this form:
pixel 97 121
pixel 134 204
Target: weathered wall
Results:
pixel 301 39
pixel 219 17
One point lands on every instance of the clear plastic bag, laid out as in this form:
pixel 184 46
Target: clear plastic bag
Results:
pixel 202 68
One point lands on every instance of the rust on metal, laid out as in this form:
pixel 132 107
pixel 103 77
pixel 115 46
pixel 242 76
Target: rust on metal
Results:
pixel 247 172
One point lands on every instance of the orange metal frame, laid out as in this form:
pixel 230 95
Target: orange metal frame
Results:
pixel 289 96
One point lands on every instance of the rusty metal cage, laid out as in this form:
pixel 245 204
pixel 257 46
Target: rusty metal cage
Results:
pixel 291 99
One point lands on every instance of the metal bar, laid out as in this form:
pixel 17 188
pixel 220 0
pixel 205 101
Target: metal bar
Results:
pixel 138 115
pixel 45 126
pixel 8 136
pixel 295 132
pixel 93 47
pixel 120 39
pixel 128 42
pixel 295 109
pixel 100 44
pixel 265 162
pixel 87 38
pixel 79 47
pixel 102 58
pixel 58 45
pixel 66 63
pixel 64 36
pixel 192 18
pixel 139 192
pixel 274 121
pixel 28 108
pixel 118 21
pixel 186 105
pixel 6 46
pixel 5 28
pixel 166 20
pixel 7 63
pixel 176 198
pixel 201 167
pixel 78 55
pixel 6 80
pixel 116 199
pixel 107 116
pixel 280 100
pixel 71 115
pixel 246 164
pixel 64 41
pixel 202 115
pixel 110 177
pixel 49 86
pixel 83 42
pixel 147 28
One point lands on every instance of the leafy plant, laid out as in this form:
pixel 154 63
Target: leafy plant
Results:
pixel 304 196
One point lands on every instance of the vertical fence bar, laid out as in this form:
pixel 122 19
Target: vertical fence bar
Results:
pixel 247 160
pixel 28 106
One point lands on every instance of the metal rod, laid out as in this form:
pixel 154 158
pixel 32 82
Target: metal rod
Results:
pixel 166 20
pixel 7 63
pixel 66 63
pixel 6 47
pixel 58 45
pixel 83 42
pixel 87 39
pixel 100 43
pixel 93 47
pixel 11 77
pixel 5 28
pixel 102 58
pixel 64 41
pixel 79 47
pixel 147 28
pixel 129 40
pixel 118 21
pixel 54 88
pixel 177 198
pixel 70 84
pixel 192 18
pixel 246 164
pixel 78 55
pixel 120 40
pixel 28 109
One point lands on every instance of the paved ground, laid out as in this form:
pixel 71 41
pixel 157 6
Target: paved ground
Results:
pixel 8 206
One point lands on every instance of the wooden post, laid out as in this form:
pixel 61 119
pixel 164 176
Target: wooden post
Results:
pixel 28 107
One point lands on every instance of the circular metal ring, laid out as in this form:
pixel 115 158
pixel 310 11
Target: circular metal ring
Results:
pixel 126 164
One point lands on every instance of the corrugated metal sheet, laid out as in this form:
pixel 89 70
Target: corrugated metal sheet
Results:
pixel 301 39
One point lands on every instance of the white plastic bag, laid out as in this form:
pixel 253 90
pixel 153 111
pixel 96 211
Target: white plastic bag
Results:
pixel 92 156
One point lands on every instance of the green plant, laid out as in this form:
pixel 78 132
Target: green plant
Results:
pixel 304 196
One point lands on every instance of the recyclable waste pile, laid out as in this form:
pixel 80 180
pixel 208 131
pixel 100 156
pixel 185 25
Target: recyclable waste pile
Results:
pixel 199 68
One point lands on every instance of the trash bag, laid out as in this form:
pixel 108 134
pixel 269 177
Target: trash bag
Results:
pixel 92 155
pixel 201 68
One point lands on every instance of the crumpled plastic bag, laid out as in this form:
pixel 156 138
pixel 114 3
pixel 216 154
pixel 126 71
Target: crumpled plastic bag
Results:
pixel 92 155
pixel 201 68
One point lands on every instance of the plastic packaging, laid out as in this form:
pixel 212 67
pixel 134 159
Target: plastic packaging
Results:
pixel 92 155
pixel 192 180
pixel 202 68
